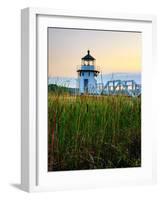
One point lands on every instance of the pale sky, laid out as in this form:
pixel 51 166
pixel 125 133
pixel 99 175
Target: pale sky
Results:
pixel 114 51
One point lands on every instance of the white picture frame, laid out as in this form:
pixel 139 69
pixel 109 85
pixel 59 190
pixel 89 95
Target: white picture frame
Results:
pixel 34 175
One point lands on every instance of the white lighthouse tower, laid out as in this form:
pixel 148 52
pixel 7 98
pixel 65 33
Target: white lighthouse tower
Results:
pixel 87 74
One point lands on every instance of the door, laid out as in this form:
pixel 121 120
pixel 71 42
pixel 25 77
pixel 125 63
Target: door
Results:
pixel 86 85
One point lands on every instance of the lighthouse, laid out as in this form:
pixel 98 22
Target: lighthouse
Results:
pixel 87 74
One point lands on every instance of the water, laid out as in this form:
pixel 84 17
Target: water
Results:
pixel 72 82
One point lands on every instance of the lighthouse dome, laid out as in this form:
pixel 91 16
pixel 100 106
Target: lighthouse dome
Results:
pixel 88 57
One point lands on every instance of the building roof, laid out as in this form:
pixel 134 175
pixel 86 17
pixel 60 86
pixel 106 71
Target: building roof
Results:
pixel 88 57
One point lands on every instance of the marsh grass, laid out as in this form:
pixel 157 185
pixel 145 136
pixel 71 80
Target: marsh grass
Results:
pixel 93 132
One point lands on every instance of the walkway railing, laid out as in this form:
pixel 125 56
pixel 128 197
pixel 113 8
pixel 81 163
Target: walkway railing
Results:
pixel 127 87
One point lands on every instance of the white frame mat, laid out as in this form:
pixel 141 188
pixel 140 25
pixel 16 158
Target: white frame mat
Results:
pixel 34 174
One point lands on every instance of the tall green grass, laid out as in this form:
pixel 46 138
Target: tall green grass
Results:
pixel 93 132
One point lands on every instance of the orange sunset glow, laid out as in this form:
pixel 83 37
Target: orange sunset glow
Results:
pixel 114 51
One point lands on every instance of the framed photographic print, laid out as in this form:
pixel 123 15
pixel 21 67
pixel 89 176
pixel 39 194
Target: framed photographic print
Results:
pixel 86 106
